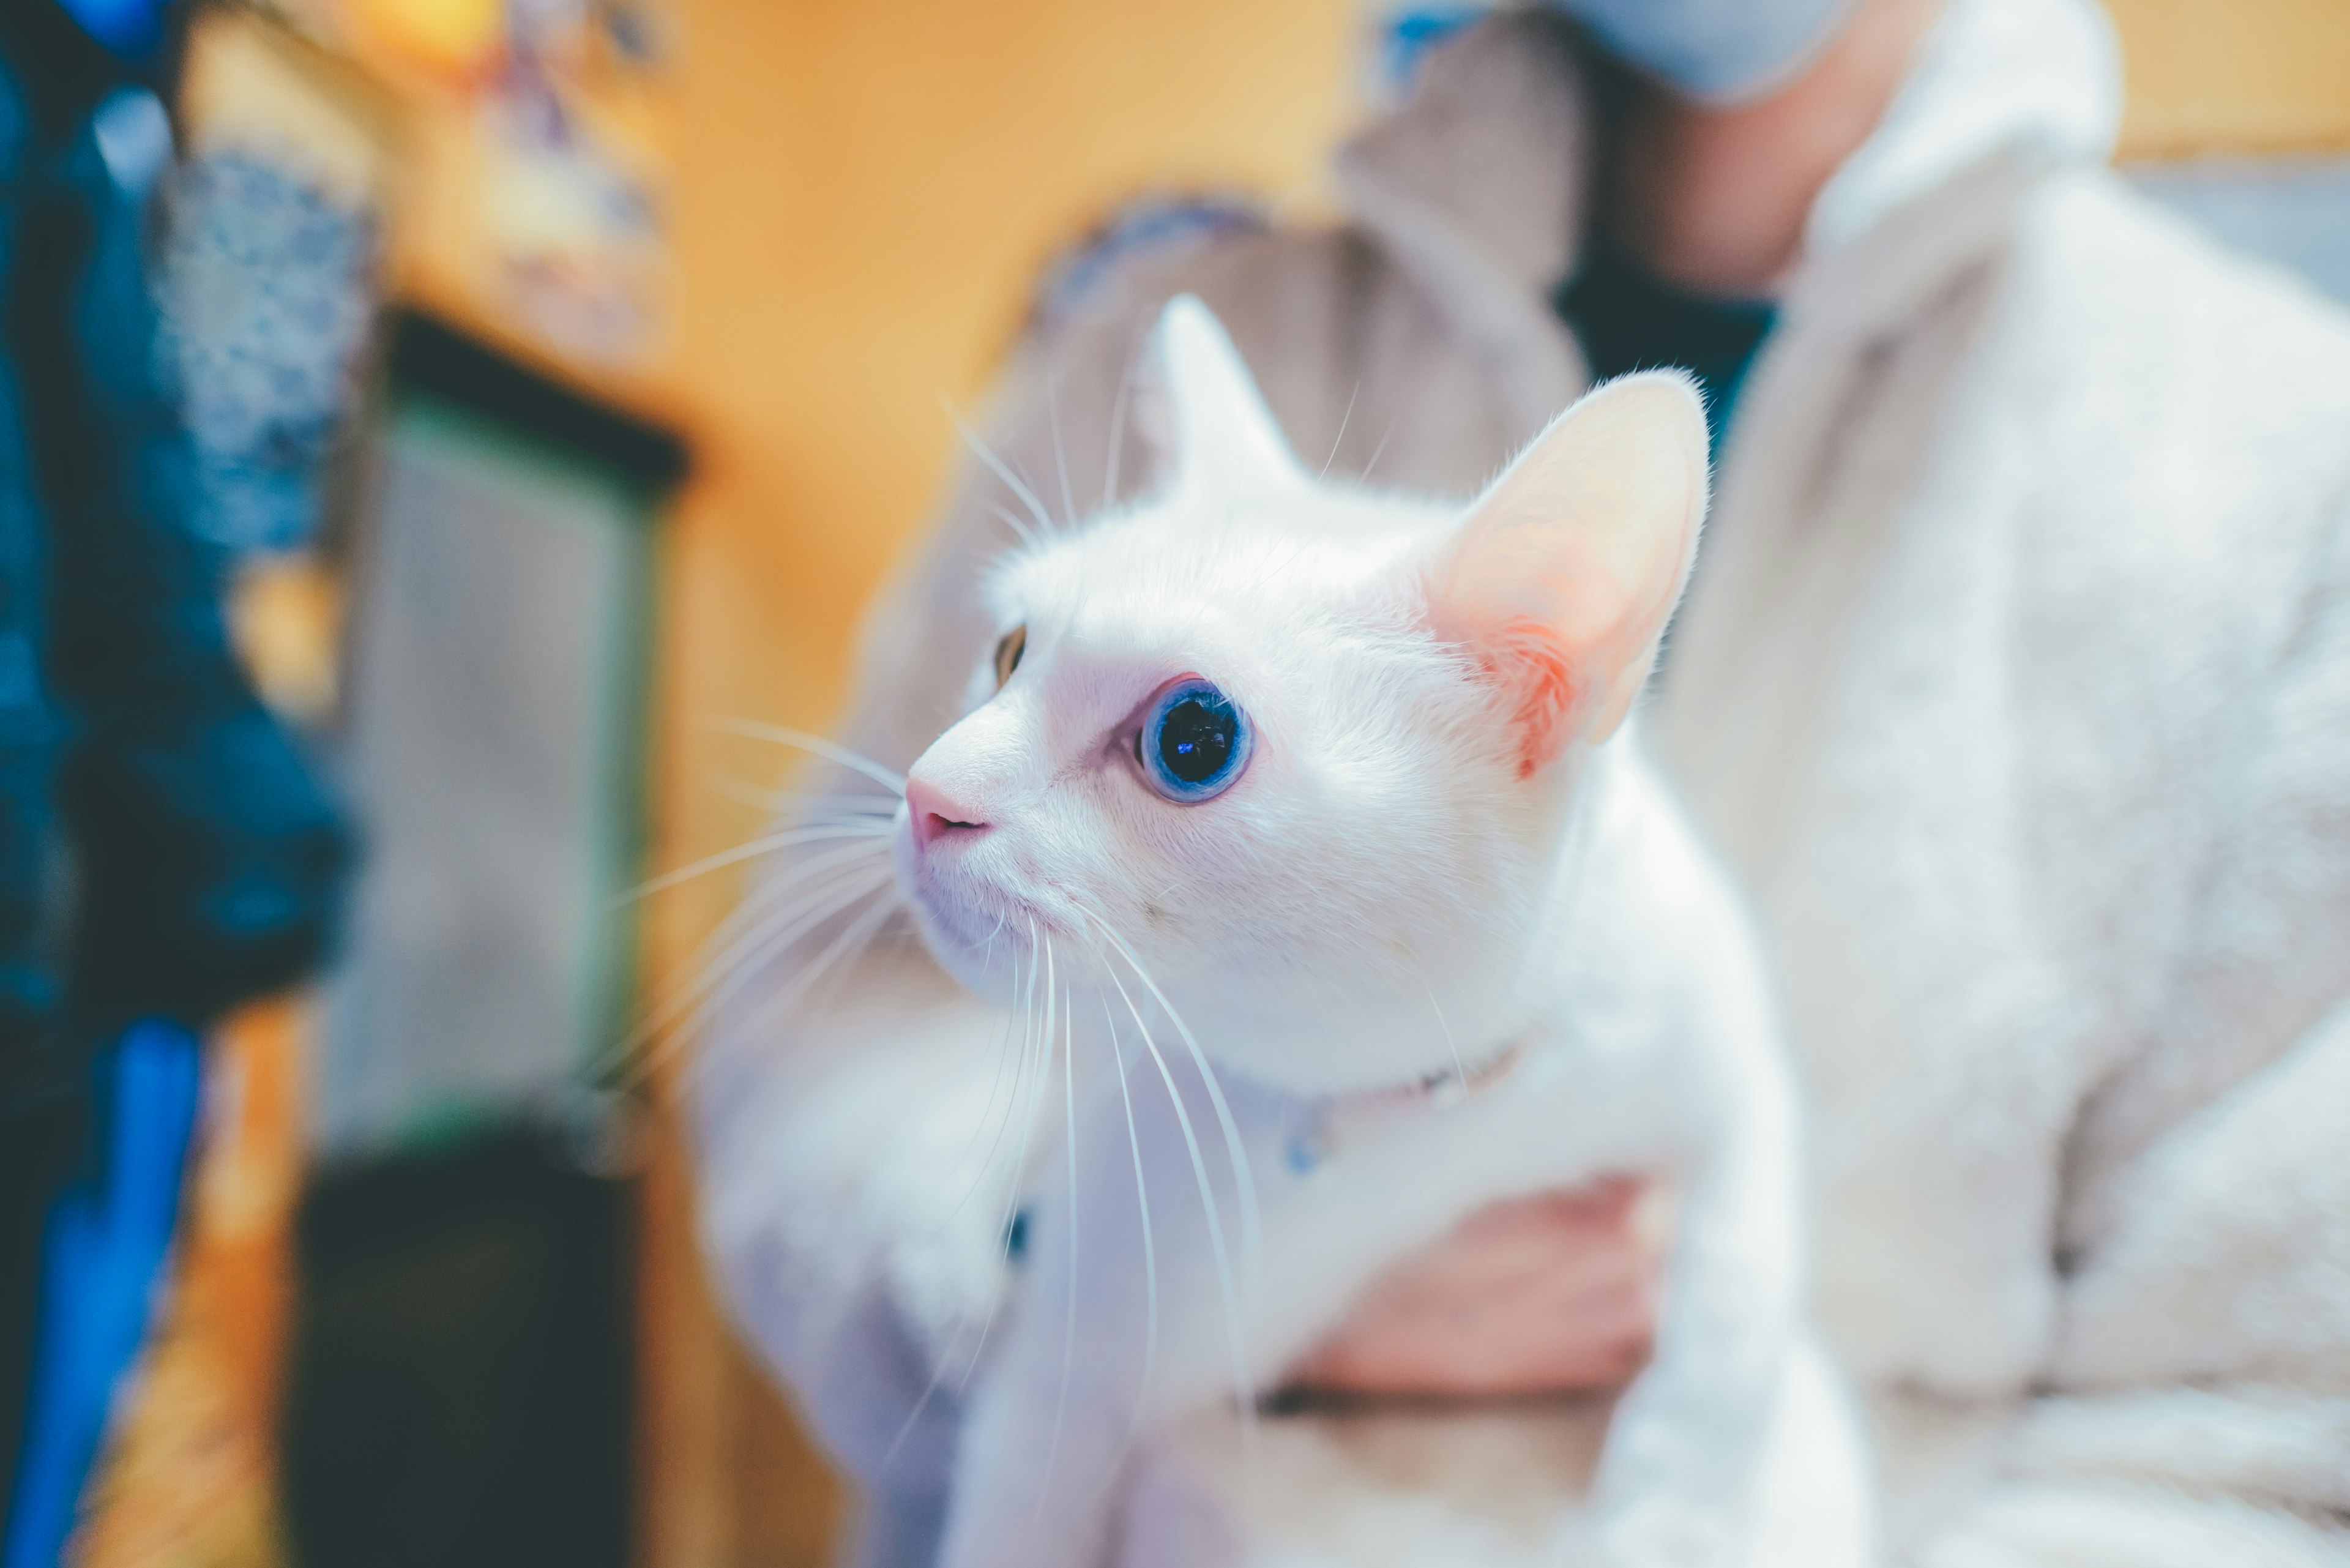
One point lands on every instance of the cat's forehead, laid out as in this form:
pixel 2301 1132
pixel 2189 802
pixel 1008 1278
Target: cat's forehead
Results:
pixel 1167 564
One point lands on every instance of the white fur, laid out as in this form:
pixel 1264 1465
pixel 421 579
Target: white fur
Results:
pixel 1390 893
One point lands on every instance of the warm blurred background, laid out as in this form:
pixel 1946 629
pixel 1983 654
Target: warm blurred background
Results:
pixel 666 297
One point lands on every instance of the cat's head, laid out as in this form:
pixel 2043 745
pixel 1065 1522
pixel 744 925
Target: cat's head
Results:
pixel 1303 753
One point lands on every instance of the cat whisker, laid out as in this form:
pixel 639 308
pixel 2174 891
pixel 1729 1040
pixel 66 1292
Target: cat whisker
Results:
pixel 888 778
pixel 995 1144
pixel 650 1056
pixel 948 1352
pixel 1117 436
pixel 799 805
pixel 1014 521
pixel 769 932
pixel 1252 1241
pixel 1070 1227
pixel 768 844
pixel 659 1036
pixel 756 914
pixel 1380 451
pixel 1340 438
pixel 744 793
pixel 772 936
pixel 799 888
pixel 1149 1250
pixel 1060 451
pixel 1236 1333
pixel 996 466
pixel 833 961
pixel 987 1111
pixel 1017 1174
pixel 1026 1075
pixel 1459 1071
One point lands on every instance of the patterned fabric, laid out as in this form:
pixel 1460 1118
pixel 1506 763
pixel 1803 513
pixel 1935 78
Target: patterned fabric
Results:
pixel 266 297
pixel 165 850
pixel 1155 228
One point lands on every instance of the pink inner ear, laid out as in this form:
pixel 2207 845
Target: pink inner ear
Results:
pixel 1560 580
pixel 1550 635
pixel 1526 655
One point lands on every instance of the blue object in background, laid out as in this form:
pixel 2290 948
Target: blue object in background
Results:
pixel 207 852
pixel 1724 51
pixel 102 1252
pixel 1721 50
pixel 1407 37
pixel 131 28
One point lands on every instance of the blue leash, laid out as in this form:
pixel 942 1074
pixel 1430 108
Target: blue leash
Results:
pixel 102 1251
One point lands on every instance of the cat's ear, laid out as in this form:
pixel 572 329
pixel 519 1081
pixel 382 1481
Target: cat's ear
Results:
pixel 1562 576
pixel 1209 421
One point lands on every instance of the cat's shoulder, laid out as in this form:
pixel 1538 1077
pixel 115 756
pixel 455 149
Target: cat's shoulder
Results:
pixel 1666 909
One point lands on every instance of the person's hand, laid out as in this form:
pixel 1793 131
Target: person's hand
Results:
pixel 1544 1295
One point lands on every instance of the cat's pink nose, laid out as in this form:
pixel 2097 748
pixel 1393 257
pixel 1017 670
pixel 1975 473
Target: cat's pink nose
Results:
pixel 935 815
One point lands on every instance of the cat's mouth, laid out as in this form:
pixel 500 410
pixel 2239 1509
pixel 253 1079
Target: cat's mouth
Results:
pixel 982 931
pixel 953 913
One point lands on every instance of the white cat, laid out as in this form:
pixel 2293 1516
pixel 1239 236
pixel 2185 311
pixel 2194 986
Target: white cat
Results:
pixel 1314 812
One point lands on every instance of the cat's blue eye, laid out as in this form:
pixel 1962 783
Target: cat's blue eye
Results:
pixel 1194 742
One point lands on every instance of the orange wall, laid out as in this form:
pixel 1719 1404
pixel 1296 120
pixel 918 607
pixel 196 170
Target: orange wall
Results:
pixel 2234 75
pixel 864 193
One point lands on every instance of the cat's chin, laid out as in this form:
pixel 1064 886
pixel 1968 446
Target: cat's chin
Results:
pixel 986 952
pixel 1003 970
pixel 988 964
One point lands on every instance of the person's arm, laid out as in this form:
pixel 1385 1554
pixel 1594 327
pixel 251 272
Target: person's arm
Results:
pixel 2193 1408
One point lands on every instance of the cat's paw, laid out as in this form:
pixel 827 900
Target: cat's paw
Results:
pixel 946 1286
pixel 869 1168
